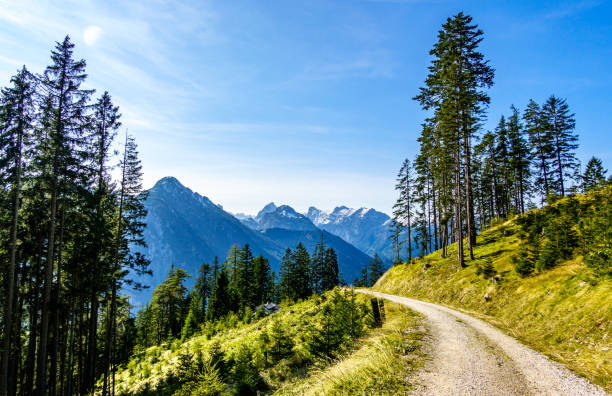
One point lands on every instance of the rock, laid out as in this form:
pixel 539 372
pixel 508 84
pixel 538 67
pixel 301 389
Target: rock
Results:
pixel 487 297
pixel 605 349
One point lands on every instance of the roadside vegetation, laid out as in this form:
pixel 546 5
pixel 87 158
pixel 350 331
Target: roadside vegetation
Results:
pixel 331 342
pixel 561 306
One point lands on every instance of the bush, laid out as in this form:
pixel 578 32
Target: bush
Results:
pixel 600 261
pixel 549 257
pixel 278 344
pixel 340 320
pixel 247 380
pixel 487 271
pixel 523 264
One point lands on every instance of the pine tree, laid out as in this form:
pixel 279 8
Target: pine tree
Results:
pixel 302 271
pixel 362 280
pixel 16 130
pixel 64 113
pixel 203 288
pixel 288 286
pixel 244 278
pixel 318 266
pixel 559 127
pixel 594 175
pixel 169 303
pixel 190 327
pixel 331 275
pixel 454 90
pixel 376 270
pixel 403 208
pixel 104 126
pixel 542 148
pixel 395 231
pixel 502 157
pixel 220 303
pixel 263 282
pixel 519 160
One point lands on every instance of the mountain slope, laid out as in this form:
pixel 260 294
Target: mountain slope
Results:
pixel 347 254
pixel 561 312
pixel 186 229
pixel 283 216
pixel 367 229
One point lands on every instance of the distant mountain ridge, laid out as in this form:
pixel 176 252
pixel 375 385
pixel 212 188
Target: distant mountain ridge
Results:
pixel 186 229
pixel 365 228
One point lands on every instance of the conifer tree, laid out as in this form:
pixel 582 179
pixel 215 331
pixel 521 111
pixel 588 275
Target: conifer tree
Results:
pixel 301 260
pixel 203 288
pixel 104 125
pixel 16 130
pixel 404 207
pixel 220 303
pixel 594 175
pixel 395 231
pixel 519 160
pixel 375 270
pixel 318 266
pixel 244 279
pixel 541 145
pixel 64 112
pixel 331 275
pixel 362 280
pixel 454 90
pixel 559 126
pixel 263 281
pixel 169 303
pixel 502 157
pixel 288 286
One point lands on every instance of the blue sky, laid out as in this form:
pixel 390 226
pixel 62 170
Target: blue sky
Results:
pixel 306 102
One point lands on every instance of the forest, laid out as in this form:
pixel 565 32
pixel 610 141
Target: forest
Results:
pixel 463 181
pixel 67 228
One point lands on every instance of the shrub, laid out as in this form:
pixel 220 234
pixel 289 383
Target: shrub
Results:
pixel 487 271
pixel 247 380
pixel 523 264
pixel 279 344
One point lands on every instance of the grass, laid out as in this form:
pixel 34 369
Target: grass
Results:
pixel 562 312
pixel 382 362
pixel 381 359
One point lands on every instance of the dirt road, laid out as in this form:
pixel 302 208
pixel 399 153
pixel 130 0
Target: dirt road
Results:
pixel 472 357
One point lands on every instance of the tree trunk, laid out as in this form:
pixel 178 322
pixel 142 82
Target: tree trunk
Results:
pixel 57 297
pixel 92 354
pixel 469 200
pixel 41 377
pixel 458 221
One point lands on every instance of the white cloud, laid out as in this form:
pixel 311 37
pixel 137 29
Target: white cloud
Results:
pixel 91 34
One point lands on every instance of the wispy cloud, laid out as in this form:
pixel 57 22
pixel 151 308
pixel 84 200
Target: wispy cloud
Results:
pixel 572 8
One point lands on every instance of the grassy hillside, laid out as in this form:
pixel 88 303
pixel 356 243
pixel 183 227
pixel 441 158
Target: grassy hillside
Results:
pixel 564 312
pixel 275 353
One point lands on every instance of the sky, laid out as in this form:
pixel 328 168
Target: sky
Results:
pixel 307 103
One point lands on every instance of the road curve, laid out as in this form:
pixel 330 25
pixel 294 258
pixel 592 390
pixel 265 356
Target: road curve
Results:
pixel 472 357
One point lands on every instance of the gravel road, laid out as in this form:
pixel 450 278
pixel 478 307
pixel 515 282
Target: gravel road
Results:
pixel 471 357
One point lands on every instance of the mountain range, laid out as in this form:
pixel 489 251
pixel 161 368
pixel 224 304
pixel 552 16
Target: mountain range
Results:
pixel 365 228
pixel 185 229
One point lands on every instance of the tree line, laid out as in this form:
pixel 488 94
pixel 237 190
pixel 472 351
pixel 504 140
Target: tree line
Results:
pixel 462 180
pixel 67 229
pixel 238 286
